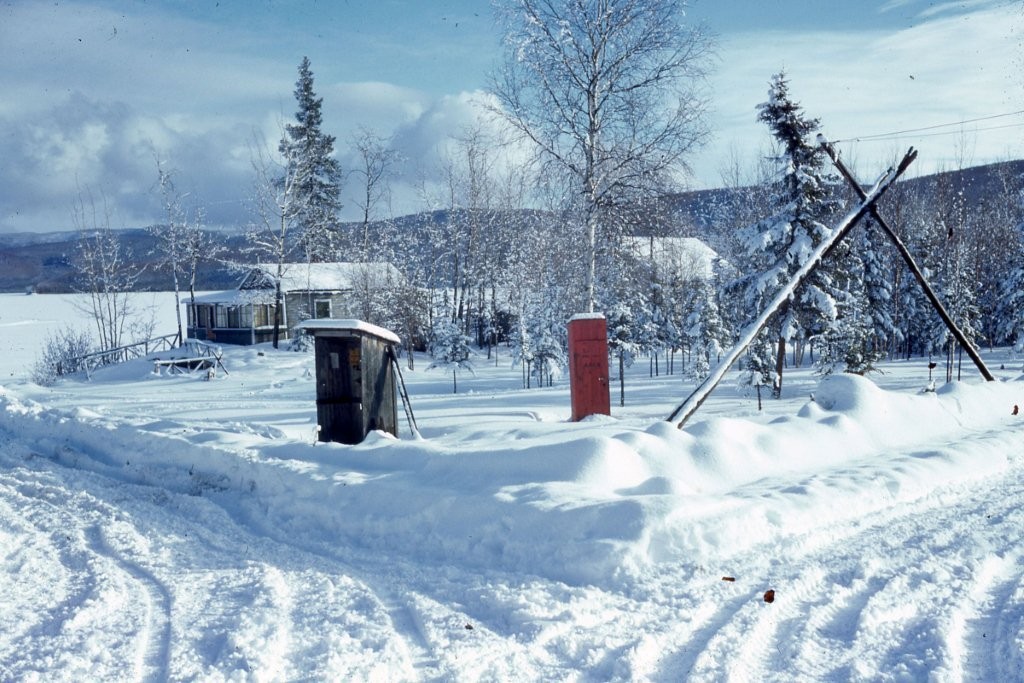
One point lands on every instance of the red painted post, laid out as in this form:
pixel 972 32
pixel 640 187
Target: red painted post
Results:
pixel 588 366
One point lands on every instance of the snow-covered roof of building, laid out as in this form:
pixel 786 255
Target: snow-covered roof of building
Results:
pixel 320 277
pixel 303 277
pixel 230 297
pixel 688 256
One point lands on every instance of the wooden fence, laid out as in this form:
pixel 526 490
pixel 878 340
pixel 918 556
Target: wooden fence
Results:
pixel 121 354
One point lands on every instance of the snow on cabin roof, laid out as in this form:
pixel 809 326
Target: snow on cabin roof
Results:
pixel 343 325
pixel 230 297
pixel 686 255
pixel 319 277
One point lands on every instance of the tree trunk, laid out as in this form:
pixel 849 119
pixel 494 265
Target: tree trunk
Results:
pixel 277 313
pixel 780 361
pixel 622 380
pixel 177 303
pixel 591 257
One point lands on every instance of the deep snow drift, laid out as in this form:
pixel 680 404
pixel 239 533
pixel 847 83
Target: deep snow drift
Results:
pixel 157 525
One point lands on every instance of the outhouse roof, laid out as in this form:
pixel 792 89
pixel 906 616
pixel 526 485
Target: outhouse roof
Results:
pixel 314 325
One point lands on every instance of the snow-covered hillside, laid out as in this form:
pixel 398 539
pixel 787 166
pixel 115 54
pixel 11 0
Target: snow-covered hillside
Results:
pixel 169 527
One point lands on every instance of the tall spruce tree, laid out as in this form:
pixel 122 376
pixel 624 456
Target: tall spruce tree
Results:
pixel 780 244
pixel 308 156
pixel 1010 320
pixel 706 331
pixel 878 291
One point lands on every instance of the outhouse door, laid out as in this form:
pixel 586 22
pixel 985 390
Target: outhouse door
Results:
pixel 339 403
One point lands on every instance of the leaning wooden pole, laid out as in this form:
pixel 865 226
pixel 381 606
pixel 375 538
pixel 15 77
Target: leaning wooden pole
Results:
pixel 909 260
pixel 688 407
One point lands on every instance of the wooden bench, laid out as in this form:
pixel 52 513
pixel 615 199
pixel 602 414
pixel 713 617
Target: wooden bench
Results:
pixel 186 365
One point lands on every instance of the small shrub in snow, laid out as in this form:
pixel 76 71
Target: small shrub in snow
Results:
pixel 301 341
pixel 61 355
pixel 449 348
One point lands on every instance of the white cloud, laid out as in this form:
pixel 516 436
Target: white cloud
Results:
pixel 870 82
pixel 431 138
pixel 955 7
pixel 895 5
pixel 90 91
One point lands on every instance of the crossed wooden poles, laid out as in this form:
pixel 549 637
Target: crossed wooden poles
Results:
pixel 868 199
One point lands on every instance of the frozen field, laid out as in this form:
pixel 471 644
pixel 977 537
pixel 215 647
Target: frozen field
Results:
pixel 168 527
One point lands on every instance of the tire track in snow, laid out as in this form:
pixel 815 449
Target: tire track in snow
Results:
pixel 858 617
pixel 830 626
pixel 42 640
pixel 407 623
pixel 153 654
pixel 997 623
pixel 688 661
pixel 759 632
pixel 89 559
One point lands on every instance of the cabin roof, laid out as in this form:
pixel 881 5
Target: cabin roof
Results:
pixel 686 256
pixel 341 325
pixel 340 276
pixel 319 277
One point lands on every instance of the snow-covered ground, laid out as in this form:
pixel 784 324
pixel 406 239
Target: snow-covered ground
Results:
pixel 169 527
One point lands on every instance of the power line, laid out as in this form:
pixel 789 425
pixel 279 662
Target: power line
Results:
pixel 932 135
pixel 902 133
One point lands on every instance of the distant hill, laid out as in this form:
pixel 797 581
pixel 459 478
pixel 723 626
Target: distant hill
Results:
pixel 42 261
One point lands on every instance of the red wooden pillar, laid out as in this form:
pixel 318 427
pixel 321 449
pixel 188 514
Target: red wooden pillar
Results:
pixel 588 366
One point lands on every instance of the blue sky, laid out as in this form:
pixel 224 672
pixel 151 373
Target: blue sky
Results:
pixel 91 87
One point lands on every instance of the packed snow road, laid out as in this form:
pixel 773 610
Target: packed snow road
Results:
pixel 185 530
pixel 121 581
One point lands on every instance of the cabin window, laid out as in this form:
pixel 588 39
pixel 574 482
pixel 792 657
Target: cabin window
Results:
pixel 263 315
pixel 322 308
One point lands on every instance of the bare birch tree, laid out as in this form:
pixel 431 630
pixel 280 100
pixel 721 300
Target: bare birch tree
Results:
pixel 181 242
pixel 278 205
pixel 607 91
pixel 376 161
pixel 106 271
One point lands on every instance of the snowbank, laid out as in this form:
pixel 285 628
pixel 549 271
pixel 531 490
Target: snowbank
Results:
pixel 594 503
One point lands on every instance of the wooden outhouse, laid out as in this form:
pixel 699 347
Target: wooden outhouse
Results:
pixel 355 380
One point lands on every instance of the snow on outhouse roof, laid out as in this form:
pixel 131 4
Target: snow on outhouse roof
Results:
pixel 348 325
